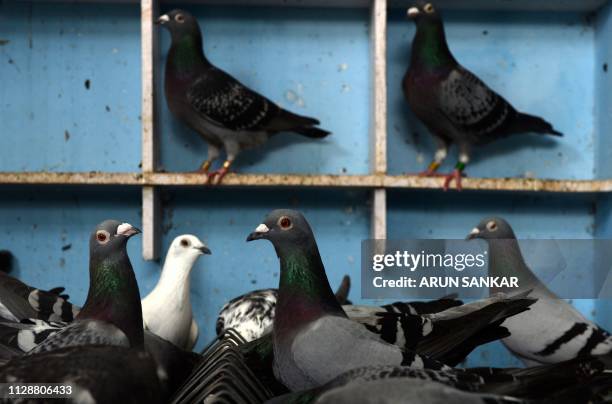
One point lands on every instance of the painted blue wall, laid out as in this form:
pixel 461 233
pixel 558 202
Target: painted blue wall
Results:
pixel 50 119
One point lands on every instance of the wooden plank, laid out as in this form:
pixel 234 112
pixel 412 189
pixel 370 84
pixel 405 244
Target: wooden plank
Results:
pixel 151 210
pixel 151 223
pixel 149 56
pixel 520 5
pixel 379 214
pixel 378 42
pixel 307 181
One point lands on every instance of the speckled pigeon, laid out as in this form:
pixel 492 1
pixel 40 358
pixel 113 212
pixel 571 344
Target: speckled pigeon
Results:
pixel 226 113
pixel 454 104
pixel 552 330
pixel 313 339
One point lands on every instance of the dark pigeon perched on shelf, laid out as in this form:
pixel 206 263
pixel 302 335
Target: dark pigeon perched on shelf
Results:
pixel 454 104
pixel 313 339
pixel 552 330
pixel 251 315
pixel 226 113
pixel 96 374
pixel 112 314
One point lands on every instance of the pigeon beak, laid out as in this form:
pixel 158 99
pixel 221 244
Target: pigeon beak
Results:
pixel 413 12
pixel 204 250
pixel 127 230
pixel 473 234
pixel 259 233
pixel 162 19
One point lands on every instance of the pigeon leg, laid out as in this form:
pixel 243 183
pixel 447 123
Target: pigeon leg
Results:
pixel 213 154
pixel 216 176
pixel 439 157
pixel 457 173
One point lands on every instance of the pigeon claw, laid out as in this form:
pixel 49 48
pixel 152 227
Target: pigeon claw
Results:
pixel 430 173
pixel 215 177
pixel 455 175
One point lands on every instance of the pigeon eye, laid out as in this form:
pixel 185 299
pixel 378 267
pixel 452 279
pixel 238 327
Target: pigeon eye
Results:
pixel 102 236
pixel 185 242
pixel 492 226
pixel 285 223
pixel 429 8
pixel 180 18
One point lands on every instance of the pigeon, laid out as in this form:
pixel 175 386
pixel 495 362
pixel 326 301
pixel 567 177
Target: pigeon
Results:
pixel 112 313
pixel 454 104
pixel 227 114
pixel 18 301
pixel 419 326
pixel 251 315
pixel 588 376
pixel 93 374
pixel 552 330
pixel 313 339
pixel 166 311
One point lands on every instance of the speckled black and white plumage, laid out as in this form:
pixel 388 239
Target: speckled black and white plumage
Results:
pixel 19 301
pixel 251 314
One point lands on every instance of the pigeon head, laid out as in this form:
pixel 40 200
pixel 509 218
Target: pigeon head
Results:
pixel 492 228
pixel 283 227
pixel 423 12
pixel 188 245
pixel 180 24
pixel 109 236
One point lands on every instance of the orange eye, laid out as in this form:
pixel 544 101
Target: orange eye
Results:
pixel 285 223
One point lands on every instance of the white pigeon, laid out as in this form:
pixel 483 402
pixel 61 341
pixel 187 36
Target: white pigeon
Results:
pixel 166 311
pixel 552 330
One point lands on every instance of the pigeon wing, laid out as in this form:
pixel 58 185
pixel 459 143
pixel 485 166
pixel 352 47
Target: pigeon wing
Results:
pixel 471 106
pixel 221 99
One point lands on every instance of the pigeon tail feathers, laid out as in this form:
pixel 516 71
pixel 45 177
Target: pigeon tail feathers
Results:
pixel 535 124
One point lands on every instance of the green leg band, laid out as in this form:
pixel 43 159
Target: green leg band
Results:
pixel 460 166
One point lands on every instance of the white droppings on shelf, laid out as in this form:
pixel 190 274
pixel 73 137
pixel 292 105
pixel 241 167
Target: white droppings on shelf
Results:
pixel 529 174
pixel 342 67
pixel 115 50
pixel 420 158
pixel 345 88
pixel 350 259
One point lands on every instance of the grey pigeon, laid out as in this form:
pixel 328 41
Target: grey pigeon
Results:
pixel 552 330
pixel 227 114
pixel 454 104
pixel 576 381
pixel 111 314
pixel 313 340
